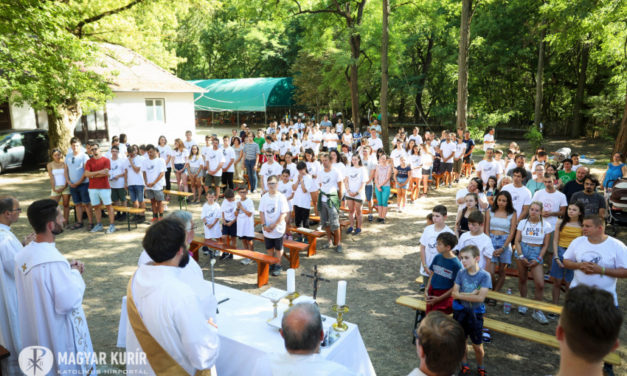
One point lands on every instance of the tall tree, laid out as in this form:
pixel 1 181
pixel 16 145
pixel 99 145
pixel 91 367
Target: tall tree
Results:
pixel 537 118
pixel 351 13
pixel 621 141
pixel 584 57
pixel 462 62
pixel 385 38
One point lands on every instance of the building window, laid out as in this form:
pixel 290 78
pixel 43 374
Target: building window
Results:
pixel 155 110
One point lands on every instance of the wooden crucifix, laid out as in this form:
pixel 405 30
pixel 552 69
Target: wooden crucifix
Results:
pixel 316 278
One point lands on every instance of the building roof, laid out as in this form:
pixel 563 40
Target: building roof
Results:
pixel 244 94
pixel 128 71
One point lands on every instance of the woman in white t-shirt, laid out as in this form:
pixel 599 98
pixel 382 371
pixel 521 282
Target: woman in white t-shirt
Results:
pixel 180 155
pixel 356 177
pixel 347 138
pixel 284 146
pixel 415 161
pixel 426 158
pixel 194 170
pixel 532 241
pixel 165 153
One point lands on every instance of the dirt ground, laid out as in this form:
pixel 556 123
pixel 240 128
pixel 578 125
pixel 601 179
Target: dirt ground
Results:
pixel 380 264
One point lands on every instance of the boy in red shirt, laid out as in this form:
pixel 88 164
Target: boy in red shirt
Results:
pixel 97 170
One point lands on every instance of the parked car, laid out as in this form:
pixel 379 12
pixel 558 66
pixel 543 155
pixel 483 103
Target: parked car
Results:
pixel 23 148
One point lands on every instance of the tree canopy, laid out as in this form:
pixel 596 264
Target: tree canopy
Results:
pixel 45 47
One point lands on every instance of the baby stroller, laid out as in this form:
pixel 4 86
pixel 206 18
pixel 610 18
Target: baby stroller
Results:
pixel 617 206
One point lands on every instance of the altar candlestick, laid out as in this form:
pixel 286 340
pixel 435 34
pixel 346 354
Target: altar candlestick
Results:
pixel 291 281
pixel 341 293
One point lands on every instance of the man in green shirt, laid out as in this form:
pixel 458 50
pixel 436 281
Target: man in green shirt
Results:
pixel 567 173
pixel 260 139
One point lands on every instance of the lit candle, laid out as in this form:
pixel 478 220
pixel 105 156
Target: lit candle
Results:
pixel 341 293
pixel 291 281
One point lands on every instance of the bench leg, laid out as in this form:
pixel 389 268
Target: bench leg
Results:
pixel 193 248
pixel 263 273
pixel 294 259
pixel 313 242
pixel 419 316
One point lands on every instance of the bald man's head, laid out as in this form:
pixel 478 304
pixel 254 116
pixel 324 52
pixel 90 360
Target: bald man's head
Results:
pixel 301 328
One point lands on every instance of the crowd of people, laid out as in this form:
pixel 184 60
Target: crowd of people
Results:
pixel 550 219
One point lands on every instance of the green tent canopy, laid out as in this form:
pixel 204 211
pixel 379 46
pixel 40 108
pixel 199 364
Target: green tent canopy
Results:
pixel 245 94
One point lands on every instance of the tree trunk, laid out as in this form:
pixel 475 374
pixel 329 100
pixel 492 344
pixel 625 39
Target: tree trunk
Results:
pixel 401 107
pixel 581 87
pixel 385 36
pixel 61 122
pixel 462 62
pixel 537 118
pixel 621 141
pixel 355 43
pixel 421 84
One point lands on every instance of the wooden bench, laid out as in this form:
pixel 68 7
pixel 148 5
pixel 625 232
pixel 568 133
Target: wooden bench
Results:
pixel 183 196
pixel 343 222
pixel 504 328
pixel 122 209
pixel 312 238
pixel 292 246
pixel 263 260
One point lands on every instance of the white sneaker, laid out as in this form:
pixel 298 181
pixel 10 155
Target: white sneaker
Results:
pixel 522 310
pixel 246 261
pixel 110 230
pixel 539 317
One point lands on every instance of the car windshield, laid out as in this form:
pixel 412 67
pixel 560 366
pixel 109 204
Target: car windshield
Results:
pixel 5 137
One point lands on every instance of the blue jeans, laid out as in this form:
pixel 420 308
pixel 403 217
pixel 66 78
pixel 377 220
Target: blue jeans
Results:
pixel 250 171
pixel 558 272
pixel 498 241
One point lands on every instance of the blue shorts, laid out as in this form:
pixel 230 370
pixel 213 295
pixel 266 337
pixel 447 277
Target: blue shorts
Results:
pixel 558 272
pixel 472 323
pixel 369 192
pixel 531 252
pixel 80 194
pixel 497 242
pixel 136 192
pixel 98 196
pixel 402 182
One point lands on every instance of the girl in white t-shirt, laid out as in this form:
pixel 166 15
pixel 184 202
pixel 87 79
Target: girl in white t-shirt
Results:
pixel 426 157
pixel 532 241
pixel 194 170
pixel 165 152
pixel 356 177
pixel 285 187
pixel 415 161
pixel 180 154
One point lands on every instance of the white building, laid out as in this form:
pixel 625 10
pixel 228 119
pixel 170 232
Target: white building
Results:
pixel 147 102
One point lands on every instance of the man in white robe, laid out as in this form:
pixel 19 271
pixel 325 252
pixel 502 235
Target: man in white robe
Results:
pixel 302 333
pixel 50 295
pixel 163 310
pixel 9 246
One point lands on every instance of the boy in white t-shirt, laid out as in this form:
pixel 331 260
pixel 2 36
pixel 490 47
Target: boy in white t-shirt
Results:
pixel 273 209
pixel 489 167
pixel 428 240
pixel 245 221
pixel 285 187
pixel 229 219
pixel 478 238
pixel 304 188
pixel 210 216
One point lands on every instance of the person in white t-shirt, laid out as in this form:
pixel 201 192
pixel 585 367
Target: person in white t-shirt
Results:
pixel 416 136
pixel 458 158
pixel 304 194
pixel 214 161
pixel 397 153
pixel 135 180
pixel 554 204
pixel 375 143
pixel 118 180
pixel 489 167
pixel 165 152
pixel 329 202
pixel 521 196
pixel 475 236
pixel 597 259
pixel 154 176
pixel 245 220
pixel 355 180
pixel 448 148
pixel 270 168
pixel 285 186
pixel 428 240
pixel 228 167
pixel 229 219
pixel 330 139
pixel 195 169
pixel 180 155
pixel 210 216
pixel 188 140
pixel 273 209
pixel 532 241
pixel 488 140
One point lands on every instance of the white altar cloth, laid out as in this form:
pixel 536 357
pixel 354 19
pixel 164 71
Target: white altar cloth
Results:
pixel 245 335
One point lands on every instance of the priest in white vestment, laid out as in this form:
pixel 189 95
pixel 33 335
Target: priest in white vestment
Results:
pixel 302 333
pixel 166 318
pixel 9 247
pixel 50 295
pixel 440 345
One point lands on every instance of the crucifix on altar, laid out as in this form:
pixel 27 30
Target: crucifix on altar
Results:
pixel 316 278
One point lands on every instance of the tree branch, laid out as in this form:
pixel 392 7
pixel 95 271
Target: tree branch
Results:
pixel 78 30
pixel 311 11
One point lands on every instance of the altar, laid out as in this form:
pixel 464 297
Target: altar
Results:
pixel 245 335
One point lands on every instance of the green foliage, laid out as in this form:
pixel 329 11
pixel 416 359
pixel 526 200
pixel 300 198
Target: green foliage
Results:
pixel 534 136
